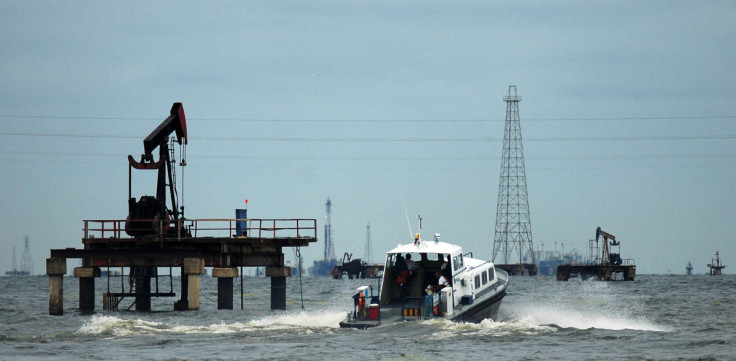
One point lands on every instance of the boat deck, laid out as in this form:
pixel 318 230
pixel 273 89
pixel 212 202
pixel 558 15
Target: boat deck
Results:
pixel 219 242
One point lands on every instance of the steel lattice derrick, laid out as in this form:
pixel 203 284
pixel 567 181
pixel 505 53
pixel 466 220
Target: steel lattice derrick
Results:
pixel 513 232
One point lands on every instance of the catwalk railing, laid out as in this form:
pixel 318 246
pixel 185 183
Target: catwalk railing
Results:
pixel 223 228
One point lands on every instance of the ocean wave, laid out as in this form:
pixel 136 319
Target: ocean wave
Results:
pixel 302 322
pixel 569 317
pixel 488 327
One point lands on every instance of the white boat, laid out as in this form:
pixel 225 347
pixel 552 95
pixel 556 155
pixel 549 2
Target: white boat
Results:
pixel 475 292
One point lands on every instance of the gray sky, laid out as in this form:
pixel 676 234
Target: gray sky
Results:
pixel 628 117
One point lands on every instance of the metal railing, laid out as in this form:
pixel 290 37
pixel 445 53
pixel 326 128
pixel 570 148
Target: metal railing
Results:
pixel 215 227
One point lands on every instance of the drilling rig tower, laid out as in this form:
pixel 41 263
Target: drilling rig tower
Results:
pixel 324 267
pixel 513 236
pixel 368 257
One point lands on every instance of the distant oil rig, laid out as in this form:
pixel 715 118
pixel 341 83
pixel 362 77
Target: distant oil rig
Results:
pixel 26 263
pixel 357 268
pixel 606 267
pixel 325 266
pixel 547 261
pixel 716 266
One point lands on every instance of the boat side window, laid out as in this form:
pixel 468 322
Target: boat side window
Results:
pixel 490 274
pixel 477 281
pixel 457 262
pixel 391 261
pixel 485 278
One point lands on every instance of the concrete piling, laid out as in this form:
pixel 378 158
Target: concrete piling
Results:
pixel 193 268
pixel 278 286
pixel 225 277
pixel 86 276
pixel 55 269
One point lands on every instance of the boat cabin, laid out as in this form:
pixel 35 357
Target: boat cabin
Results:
pixel 410 291
pixel 411 268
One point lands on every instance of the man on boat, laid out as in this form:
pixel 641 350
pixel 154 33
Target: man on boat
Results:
pixel 409 262
pixel 447 269
pixel 441 283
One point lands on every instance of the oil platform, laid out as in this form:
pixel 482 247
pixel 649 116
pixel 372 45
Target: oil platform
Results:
pixel 325 266
pixel 716 266
pixel 357 268
pixel 547 261
pixel 156 237
pixel 606 267
pixel 513 235
pixel 26 263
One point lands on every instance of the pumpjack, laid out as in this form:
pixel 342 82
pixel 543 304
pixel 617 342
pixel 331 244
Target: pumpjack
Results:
pixel 606 256
pixel 150 215
pixel 603 266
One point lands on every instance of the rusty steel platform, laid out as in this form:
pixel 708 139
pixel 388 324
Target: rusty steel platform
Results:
pixel 214 240
pixel 223 244
pixel 600 272
pixel 519 269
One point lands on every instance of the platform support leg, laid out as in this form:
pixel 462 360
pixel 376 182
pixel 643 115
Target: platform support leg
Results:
pixel 278 293
pixel 278 286
pixel 563 274
pixel 193 296
pixel 55 269
pixel 193 268
pixel 142 279
pixel 225 286
pixel 87 294
pixel 225 293
pixel 183 303
pixel 86 276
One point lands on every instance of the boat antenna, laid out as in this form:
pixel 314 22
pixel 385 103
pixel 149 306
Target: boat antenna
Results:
pixel 418 236
pixel 411 234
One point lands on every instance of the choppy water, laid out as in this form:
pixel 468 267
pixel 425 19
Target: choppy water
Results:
pixel 656 317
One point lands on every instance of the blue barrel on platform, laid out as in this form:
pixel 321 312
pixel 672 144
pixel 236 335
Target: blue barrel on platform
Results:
pixel 241 226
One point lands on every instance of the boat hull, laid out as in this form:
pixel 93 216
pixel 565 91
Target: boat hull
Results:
pixel 483 309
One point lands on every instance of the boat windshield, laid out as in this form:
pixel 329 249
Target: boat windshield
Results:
pixel 417 257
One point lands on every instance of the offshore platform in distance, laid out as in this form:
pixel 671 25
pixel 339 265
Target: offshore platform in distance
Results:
pixel 604 266
pixel 26 263
pixel 325 266
pixel 716 266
